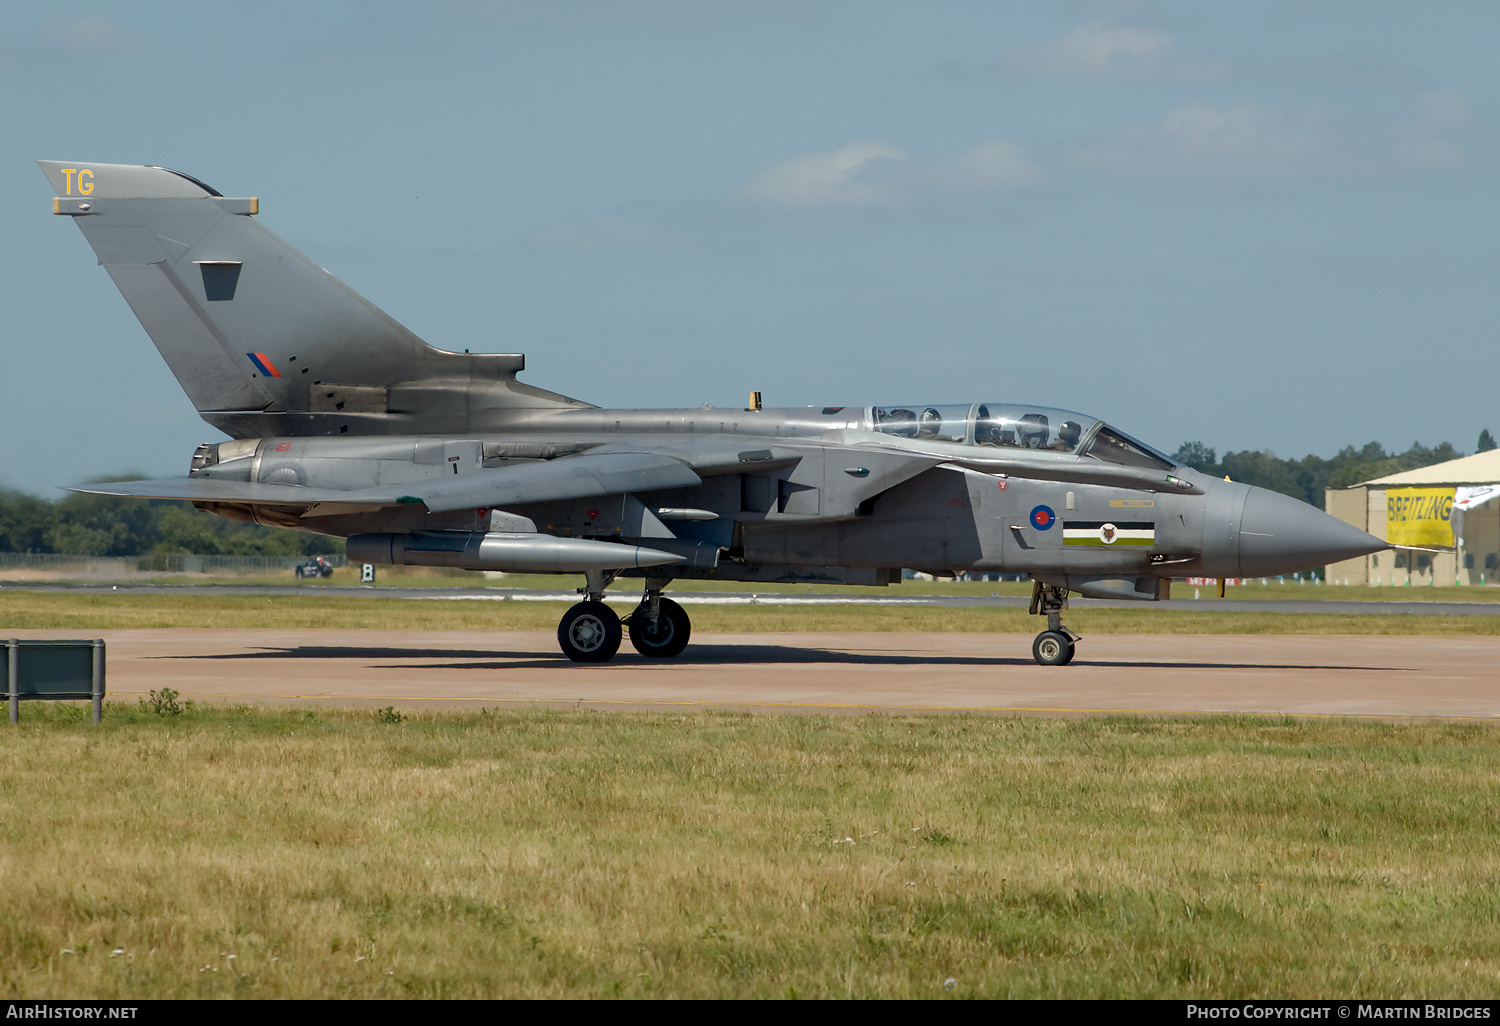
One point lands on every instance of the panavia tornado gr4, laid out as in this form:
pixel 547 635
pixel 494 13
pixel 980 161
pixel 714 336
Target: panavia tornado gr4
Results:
pixel 342 422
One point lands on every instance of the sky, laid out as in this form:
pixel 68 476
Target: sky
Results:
pixel 1261 225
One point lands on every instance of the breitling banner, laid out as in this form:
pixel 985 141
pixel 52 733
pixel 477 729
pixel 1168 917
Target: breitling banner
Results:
pixel 1419 516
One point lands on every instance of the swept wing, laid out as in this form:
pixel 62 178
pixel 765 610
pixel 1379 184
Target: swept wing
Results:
pixel 568 477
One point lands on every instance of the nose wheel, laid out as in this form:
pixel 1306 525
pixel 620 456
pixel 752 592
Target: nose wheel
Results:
pixel 1055 645
pixel 1052 648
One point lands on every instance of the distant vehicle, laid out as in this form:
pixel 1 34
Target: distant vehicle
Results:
pixel 315 567
pixel 342 422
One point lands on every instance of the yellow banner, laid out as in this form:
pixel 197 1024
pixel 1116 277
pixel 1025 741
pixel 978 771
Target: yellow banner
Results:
pixel 1419 516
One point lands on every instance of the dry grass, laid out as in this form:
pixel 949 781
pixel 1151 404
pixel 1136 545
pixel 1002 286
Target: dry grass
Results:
pixel 1256 589
pixel 537 854
pixel 24 610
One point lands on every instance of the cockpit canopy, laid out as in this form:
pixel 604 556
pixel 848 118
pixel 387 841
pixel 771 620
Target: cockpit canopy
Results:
pixel 1007 426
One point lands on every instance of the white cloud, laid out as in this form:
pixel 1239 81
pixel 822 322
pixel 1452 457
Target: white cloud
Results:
pixel 1437 134
pixel 676 15
pixel 1115 50
pixel 1247 132
pixel 843 178
pixel 92 34
pixel 1197 140
pixel 988 167
pixel 1096 50
pixel 1105 50
pixel 1440 135
pixel 1350 70
pixel 876 174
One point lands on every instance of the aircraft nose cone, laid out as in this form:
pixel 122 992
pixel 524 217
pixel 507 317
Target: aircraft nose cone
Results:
pixel 1280 535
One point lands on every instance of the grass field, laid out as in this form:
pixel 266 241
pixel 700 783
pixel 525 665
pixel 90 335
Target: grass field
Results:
pixel 34 610
pixel 265 853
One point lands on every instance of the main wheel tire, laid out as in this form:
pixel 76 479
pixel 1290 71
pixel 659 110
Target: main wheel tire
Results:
pixel 665 638
pixel 589 633
pixel 1052 648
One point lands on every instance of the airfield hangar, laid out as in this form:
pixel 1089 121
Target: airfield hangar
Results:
pixel 1425 509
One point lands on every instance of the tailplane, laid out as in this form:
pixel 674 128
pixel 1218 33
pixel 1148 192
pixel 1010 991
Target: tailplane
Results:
pixel 264 341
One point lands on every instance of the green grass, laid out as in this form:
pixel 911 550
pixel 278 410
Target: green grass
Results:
pixel 1289 590
pixel 26 610
pixel 287 853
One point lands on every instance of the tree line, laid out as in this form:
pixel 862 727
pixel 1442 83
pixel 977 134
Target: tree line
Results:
pixel 97 525
pixel 1307 478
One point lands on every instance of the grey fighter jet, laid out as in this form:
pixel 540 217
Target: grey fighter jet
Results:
pixel 342 422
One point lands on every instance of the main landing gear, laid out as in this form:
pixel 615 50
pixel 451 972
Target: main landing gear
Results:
pixel 659 627
pixel 591 632
pixel 1054 646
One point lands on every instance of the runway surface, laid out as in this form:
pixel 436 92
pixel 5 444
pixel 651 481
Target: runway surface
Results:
pixel 1380 677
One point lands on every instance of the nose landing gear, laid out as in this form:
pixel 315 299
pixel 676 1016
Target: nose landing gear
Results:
pixel 1055 645
pixel 1052 648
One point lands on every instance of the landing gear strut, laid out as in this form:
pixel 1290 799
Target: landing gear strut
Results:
pixel 1054 646
pixel 659 627
pixel 590 631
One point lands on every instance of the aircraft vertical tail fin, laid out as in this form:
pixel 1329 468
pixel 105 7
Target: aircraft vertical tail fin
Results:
pixel 263 340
